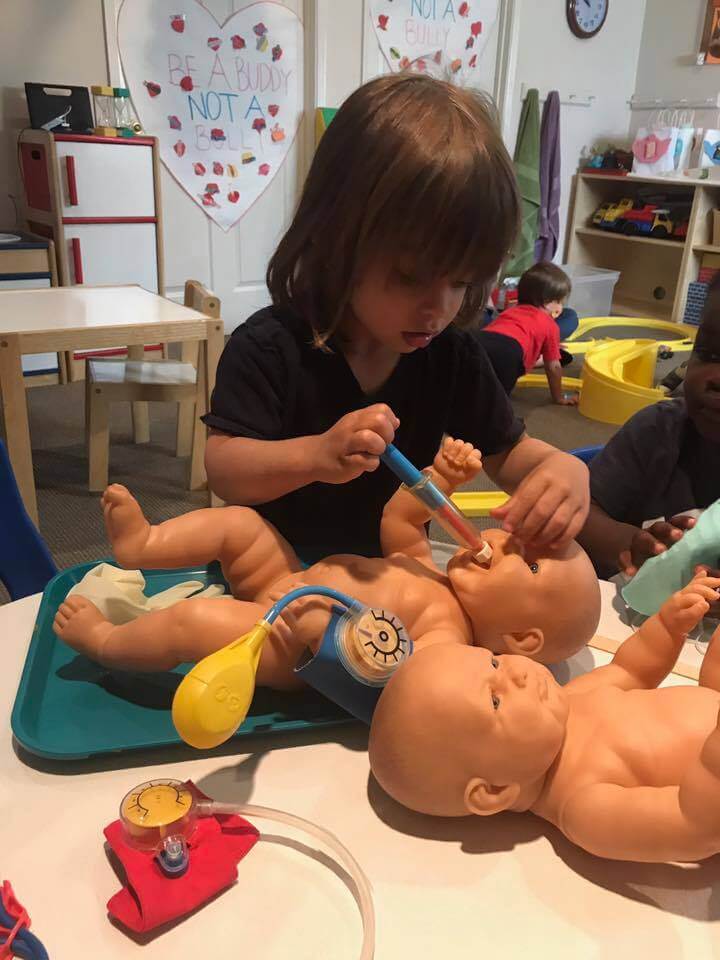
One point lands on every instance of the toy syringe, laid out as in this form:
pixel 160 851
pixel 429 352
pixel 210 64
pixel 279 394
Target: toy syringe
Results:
pixel 442 510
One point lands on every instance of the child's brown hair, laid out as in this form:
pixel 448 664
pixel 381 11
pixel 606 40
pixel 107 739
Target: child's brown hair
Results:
pixel 544 283
pixel 409 167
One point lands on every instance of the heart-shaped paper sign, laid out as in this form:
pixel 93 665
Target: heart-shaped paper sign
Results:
pixel 411 31
pixel 224 100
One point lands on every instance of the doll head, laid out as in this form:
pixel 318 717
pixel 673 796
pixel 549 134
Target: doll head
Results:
pixel 543 604
pixel 408 211
pixel 459 731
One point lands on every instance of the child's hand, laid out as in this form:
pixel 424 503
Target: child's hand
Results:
pixel 457 462
pixel 686 608
pixel 572 400
pixel 354 444
pixel 653 541
pixel 550 506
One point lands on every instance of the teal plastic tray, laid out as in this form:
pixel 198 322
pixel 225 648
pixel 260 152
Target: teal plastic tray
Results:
pixel 69 708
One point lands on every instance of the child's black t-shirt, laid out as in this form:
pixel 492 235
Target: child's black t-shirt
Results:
pixel 273 384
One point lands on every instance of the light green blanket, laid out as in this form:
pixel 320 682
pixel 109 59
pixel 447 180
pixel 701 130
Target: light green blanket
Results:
pixel 669 572
pixel 527 169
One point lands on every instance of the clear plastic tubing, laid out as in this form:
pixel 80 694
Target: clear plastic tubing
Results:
pixel 441 508
pixel 362 891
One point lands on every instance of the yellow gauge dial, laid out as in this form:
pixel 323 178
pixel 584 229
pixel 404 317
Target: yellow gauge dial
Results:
pixel 157 803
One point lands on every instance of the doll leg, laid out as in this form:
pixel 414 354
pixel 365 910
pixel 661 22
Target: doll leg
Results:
pixel 710 669
pixel 253 555
pixel 185 632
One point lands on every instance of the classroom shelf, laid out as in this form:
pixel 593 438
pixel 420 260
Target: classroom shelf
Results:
pixel 706 248
pixel 654 273
pixel 606 235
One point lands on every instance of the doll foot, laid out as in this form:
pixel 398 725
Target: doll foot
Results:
pixel 126 526
pixel 80 625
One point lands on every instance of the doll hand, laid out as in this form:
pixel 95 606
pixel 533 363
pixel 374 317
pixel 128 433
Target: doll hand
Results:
pixel 286 625
pixel 686 608
pixel 354 444
pixel 550 506
pixel 457 462
pixel 653 541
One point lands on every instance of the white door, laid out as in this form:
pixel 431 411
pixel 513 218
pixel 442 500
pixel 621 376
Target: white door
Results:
pixel 232 264
pixel 112 253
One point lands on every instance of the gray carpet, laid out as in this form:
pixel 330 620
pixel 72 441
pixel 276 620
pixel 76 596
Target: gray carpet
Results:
pixel 70 517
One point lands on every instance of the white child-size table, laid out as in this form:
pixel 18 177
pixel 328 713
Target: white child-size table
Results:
pixel 508 887
pixel 75 318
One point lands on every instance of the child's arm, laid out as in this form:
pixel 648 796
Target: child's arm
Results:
pixel 646 658
pixel 551 491
pixel 248 471
pixel 612 544
pixel 553 372
pixel 402 529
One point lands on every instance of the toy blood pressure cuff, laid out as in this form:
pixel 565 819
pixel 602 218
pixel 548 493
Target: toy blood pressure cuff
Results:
pixel 357 657
pixel 150 898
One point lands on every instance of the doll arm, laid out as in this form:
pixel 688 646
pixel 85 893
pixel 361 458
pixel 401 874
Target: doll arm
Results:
pixel 652 824
pixel 647 824
pixel 402 529
pixel 646 658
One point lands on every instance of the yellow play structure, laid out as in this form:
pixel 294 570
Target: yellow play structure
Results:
pixel 617 380
pixel 618 375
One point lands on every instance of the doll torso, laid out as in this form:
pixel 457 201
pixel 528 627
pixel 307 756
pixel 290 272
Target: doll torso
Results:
pixel 420 597
pixel 635 738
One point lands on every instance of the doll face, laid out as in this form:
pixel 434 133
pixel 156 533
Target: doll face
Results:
pixel 552 591
pixel 402 310
pixel 516 710
pixel 455 713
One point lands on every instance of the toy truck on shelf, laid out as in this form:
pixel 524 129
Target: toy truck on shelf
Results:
pixel 649 219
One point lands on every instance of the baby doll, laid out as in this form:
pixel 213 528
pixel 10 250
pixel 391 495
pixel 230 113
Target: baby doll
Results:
pixel 623 769
pixel 545 605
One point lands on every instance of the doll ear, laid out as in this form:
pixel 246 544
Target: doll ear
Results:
pixel 484 799
pixel 528 643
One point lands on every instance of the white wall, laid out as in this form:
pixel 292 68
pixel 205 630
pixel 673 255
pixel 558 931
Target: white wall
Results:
pixel 550 57
pixel 668 58
pixel 48 42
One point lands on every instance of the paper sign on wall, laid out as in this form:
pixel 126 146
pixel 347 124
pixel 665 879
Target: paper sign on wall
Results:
pixel 224 100
pixel 408 31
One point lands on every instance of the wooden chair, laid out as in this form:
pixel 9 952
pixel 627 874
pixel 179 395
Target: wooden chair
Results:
pixel 139 382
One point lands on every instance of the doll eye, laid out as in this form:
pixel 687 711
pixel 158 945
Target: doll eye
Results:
pixel 494 664
pixel 534 567
pixel 495 702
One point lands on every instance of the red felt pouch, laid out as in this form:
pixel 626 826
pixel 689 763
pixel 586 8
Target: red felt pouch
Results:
pixel 149 898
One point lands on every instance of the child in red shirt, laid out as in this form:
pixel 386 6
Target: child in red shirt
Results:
pixel 516 339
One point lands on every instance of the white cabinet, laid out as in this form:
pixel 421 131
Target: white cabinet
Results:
pixel 106 180
pixel 112 253
pixel 98 198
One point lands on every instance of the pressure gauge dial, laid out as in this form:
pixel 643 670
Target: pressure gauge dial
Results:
pixel 157 809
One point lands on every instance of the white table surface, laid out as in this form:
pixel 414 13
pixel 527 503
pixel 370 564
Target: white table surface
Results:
pixel 85 308
pixel 506 887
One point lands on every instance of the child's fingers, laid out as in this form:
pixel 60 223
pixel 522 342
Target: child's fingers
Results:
pixel 666 533
pixel 554 529
pixel 644 546
pixel 626 565
pixel 361 463
pixel 514 512
pixel 540 513
pixel 366 441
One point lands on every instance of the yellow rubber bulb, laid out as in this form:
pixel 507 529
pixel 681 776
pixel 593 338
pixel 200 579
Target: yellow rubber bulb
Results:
pixel 214 698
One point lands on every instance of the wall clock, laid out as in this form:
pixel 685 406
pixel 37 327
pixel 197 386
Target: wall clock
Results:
pixel 587 17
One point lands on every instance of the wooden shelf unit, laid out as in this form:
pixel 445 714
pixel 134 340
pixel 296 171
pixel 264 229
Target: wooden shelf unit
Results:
pixel 654 274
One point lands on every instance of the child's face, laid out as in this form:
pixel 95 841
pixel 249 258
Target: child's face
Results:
pixel 554 308
pixel 402 311
pixel 524 593
pixel 702 380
